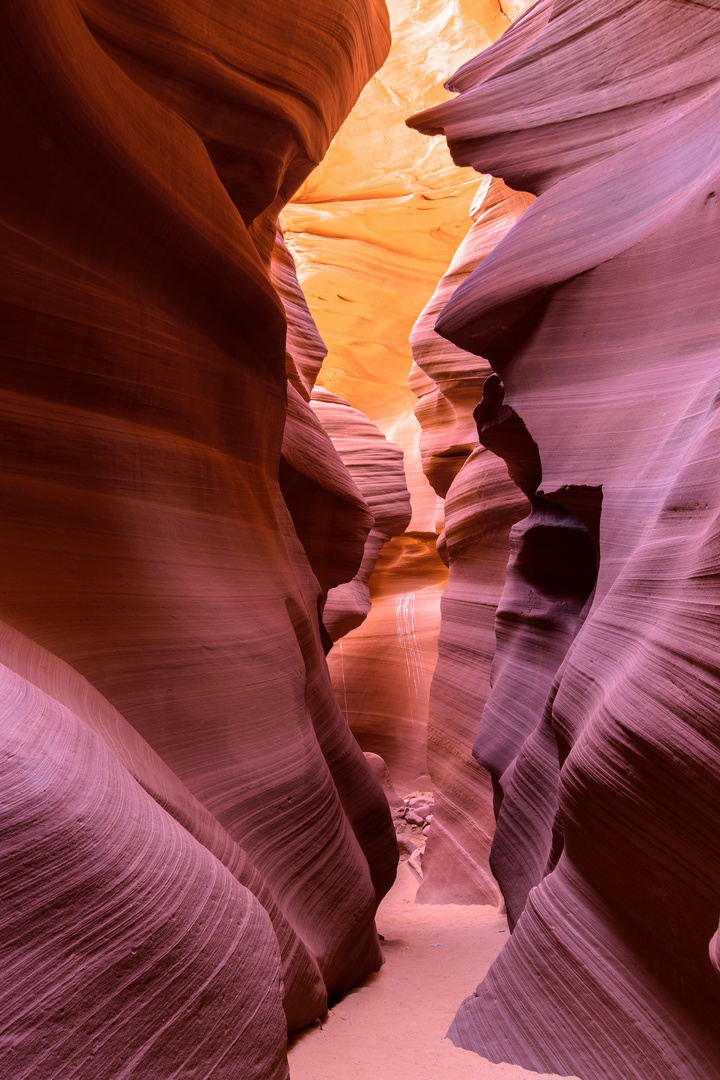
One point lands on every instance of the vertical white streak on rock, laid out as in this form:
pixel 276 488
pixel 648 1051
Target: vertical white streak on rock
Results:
pixel 407 636
pixel 342 672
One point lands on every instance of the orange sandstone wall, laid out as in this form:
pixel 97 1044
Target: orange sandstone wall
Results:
pixel 372 230
pixel 191 837
pixel 375 226
pixel 342 480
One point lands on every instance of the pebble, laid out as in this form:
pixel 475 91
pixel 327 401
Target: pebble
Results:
pixel 414 814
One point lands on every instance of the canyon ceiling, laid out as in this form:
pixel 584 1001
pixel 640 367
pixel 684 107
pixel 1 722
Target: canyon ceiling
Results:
pixel 230 562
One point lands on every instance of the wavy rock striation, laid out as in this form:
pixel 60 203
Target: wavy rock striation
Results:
pixel 372 230
pixel 329 513
pixel 345 486
pixel 481 506
pixel 599 312
pixel 188 813
pixel 447 380
pixel 376 466
pixel 132 932
pixel 342 480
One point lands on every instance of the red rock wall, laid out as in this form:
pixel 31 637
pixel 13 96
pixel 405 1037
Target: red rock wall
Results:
pixel 342 480
pixel 397 643
pixel 372 230
pixel 599 312
pixel 376 466
pixel 189 815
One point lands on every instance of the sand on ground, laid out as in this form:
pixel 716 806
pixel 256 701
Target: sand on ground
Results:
pixel 393 1026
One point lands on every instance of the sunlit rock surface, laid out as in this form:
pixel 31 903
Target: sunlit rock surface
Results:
pixel 372 231
pixel 328 510
pixel 163 867
pixel 342 480
pixel 305 350
pixel 375 227
pixel 380 220
pixel 599 311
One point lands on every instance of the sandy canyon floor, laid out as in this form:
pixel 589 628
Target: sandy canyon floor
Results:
pixel 393 1026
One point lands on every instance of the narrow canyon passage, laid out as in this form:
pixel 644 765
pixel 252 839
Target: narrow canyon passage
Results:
pixel 394 1024
pixel 360 547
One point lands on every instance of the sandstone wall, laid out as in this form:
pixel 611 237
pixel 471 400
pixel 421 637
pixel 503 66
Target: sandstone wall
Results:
pixel 342 480
pixel 188 819
pixel 481 505
pixel 376 465
pixel 599 312
pixel 372 230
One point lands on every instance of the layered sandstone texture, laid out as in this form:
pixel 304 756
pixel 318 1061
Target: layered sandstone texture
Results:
pixel 342 480
pixel 329 512
pixel 376 465
pixel 376 225
pixel 191 839
pixel 481 505
pixel 598 311
pixel 448 381
pixel 382 671
pixel 372 230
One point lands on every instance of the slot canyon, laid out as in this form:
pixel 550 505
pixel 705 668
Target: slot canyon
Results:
pixel 360 475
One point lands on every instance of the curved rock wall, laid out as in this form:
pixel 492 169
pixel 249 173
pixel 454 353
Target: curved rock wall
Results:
pixel 372 230
pixel 448 381
pixel 376 465
pixel 342 480
pixel 188 812
pixel 377 223
pixel 481 506
pixel 397 643
pixel 599 312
